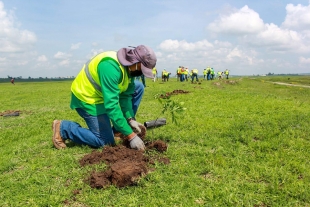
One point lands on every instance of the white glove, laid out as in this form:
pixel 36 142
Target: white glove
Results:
pixel 137 143
pixel 134 124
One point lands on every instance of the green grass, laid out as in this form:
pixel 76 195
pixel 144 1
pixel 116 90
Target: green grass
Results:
pixel 244 144
pixel 297 80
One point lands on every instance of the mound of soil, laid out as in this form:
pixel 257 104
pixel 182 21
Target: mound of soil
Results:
pixel 175 92
pixel 159 145
pixel 125 166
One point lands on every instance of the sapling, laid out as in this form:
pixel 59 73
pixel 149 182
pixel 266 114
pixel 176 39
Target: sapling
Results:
pixel 172 107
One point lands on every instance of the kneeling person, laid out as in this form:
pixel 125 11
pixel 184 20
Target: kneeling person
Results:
pixel 103 92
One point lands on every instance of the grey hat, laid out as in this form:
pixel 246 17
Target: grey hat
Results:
pixel 142 54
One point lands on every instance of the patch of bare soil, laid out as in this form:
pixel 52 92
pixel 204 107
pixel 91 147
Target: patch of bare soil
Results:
pixel 10 113
pixel 175 92
pixel 230 82
pixel 125 166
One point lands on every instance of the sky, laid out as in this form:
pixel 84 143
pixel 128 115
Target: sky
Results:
pixel 55 38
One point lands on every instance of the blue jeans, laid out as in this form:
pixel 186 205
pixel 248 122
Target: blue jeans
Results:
pixel 99 132
pixel 182 78
pixel 193 77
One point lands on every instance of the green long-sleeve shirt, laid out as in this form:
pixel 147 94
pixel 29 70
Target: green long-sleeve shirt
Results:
pixel 117 106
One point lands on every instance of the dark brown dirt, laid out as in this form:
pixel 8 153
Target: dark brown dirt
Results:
pixel 175 92
pixel 125 166
pixel 159 145
pixel 10 113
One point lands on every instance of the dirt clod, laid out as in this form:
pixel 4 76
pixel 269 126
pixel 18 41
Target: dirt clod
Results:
pixel 125 166
pixel 10 113
pixel 175 92
pixel 158 145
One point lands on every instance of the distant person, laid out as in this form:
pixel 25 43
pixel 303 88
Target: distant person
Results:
pixel 208 73
pixel 219 74
pixel 194 74
pixel 154 72
pixel 212 74
pixel 182 76
pixel 105 92
pixel 179 73
pixel 204 74
pixel 168 75
pixel 186 74
pixel 12 81
pixel 226 73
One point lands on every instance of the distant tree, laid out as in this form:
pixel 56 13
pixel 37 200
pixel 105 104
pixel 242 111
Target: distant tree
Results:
pixel 29 77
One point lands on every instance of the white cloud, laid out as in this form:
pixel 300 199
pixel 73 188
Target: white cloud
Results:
pixel 62 55
pixel 238 55
pixel 253 32
pixel 297 17
pixel 244 21
pixel 64 62
pixel 171 45
pixel 158 54
pixel 275 38
pixel 217 54
pixel 75 46
pixel 304 60
pixel 13 39
pixel 42 58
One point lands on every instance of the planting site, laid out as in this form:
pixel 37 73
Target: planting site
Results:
pixel 199 150
pixel 125 166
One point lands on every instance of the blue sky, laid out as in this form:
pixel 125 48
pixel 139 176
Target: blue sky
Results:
pixel 55 38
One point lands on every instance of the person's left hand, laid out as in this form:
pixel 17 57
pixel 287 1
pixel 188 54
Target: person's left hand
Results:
pixel 135 125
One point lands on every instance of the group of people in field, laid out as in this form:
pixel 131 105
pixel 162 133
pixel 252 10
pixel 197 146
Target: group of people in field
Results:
pixel 165 75
pixel 209 74
pixel 183 74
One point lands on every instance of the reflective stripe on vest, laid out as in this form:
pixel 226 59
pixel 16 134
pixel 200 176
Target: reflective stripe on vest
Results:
pixel 86 86
pixel 90 78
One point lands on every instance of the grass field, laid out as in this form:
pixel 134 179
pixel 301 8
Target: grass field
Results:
pixel 244 143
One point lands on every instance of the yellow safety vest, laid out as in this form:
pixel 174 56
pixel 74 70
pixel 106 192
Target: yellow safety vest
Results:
pixel 165 73
pixel 86 86
pixel 195 71
pixel 226 72
pixel 154 71
pixel 179 71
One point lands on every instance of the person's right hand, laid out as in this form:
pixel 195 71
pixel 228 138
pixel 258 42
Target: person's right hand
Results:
pixel 137 143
